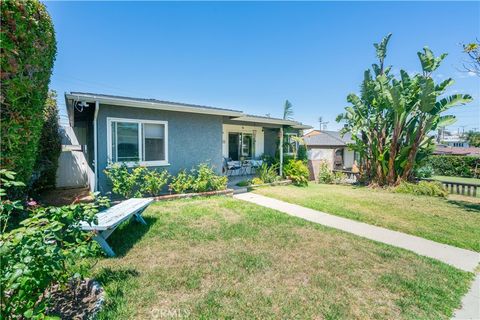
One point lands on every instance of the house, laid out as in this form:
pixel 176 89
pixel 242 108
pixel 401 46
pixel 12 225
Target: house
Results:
pixel 330 147
pixel 441 149
pixel 164 135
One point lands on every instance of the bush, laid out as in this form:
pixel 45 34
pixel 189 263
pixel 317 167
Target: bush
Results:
pixel 48 248
pixel 458 166
pixel 423 188
pixel 425 171
pixel 26 62
pixel 302 153
pixel 201 179
pixel 297 171
pixel 266 173
pixel 137 182
pixel 339 177
pixel 244 183
pixel 182 182
pixel 325 175
pixel 257 181
pixel 207 180
pixel 50 146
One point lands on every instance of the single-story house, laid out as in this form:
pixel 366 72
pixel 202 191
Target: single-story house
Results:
pixel 162 134
pixel 330 147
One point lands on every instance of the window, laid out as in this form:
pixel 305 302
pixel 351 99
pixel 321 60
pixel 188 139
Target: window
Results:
pixel 138 141
pixel 290 145
pixel 247 145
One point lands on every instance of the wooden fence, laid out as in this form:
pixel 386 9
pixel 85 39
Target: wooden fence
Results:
pixel 466 189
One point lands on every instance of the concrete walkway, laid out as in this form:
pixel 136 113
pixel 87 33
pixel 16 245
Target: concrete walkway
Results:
pixel 460 258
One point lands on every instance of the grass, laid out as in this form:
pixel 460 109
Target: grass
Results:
pixel 457 179
pixel 454 221
pixel 223 258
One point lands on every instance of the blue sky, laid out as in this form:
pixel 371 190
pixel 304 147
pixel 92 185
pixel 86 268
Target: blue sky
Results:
pixel 252 56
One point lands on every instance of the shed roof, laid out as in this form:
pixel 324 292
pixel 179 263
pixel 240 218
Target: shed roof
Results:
pixel 327 138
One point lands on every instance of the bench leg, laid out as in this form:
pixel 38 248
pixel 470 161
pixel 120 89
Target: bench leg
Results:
pixel 139 218
pixel 105 246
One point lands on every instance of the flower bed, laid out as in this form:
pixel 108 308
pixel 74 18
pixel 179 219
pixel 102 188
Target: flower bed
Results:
pixel 226 192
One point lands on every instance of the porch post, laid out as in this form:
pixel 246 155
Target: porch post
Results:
pixel 281 151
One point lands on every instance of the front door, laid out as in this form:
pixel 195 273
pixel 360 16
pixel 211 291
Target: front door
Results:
pixel 233 146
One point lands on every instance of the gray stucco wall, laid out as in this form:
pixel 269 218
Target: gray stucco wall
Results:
pixel 192 138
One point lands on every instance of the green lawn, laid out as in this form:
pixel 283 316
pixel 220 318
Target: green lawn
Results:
pixel 223 258
pixel 454 221
pixel 457 179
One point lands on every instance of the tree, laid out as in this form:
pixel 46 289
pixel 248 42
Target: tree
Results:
pixel 473 138
pixel 287 110
pixel 473 62
pixel 391 118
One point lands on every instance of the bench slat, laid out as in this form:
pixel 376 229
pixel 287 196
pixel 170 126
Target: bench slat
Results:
pixel 115 215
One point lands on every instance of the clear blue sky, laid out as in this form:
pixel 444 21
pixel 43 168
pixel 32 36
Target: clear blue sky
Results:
pixel 253 56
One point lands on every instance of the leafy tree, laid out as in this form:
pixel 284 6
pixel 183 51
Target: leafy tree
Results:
pixel 391 118
pixel 287 110
pixel 473 52
pixel 473 138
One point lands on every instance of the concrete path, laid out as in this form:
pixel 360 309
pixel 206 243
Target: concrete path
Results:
pixel 460 258
pixel 470 303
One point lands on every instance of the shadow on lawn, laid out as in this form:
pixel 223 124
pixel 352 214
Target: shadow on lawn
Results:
pixel 465 205
pixel 128 234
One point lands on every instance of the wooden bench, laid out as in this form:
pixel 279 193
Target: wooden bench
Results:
pixel 111 218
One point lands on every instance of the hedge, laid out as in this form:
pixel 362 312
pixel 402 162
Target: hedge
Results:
pixel 28 51
pixel 458 166
pixel 49 147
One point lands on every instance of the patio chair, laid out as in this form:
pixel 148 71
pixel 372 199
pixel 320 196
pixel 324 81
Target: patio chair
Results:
pixel 231 166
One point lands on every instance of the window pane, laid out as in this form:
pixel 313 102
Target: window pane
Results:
pixel 127 141
pixel 114 142
pixel 154 142
pixel 247 142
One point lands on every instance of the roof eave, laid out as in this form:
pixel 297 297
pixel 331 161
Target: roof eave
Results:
pixel 152 105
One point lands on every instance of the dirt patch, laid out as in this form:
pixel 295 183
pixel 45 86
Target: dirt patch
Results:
pixel 79 300
pixel 61 197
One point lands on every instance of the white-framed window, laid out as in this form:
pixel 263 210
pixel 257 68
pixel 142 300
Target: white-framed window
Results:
pixel 133 141
pixel 290 145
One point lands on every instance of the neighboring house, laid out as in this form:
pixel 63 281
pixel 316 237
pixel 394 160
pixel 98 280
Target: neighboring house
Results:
pixel 456 151
pixel 452 139
pixel 330 147
pixel 166 135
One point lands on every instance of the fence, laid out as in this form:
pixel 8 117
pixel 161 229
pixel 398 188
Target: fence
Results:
pixel 466 189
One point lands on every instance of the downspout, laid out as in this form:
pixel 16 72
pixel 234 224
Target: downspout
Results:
pixel 95 152
pixel 281 151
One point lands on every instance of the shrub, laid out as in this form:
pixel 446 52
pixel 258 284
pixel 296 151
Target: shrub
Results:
pixel 244 183
pixel 302 153
pixel 50 146
pixel 182 182
pixel 297 171
pixel 26 62
pixel 423 188
pixel 257 181
pixel 48 248
pixel 459 166
pixel 325 175
pixel 266 173
pixel 207 180
pixel 339 177
pixel 137 182
pixel 425 171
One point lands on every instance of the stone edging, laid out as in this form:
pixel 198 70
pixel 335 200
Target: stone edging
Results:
pixel 226 192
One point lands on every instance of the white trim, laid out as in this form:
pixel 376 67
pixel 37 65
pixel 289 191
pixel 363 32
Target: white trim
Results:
pixel 95 146
pixel 157 163
pixel 153 105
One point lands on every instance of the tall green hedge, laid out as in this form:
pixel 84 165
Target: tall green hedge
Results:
pixel 458 166
pixel 28 49
pixel 50 146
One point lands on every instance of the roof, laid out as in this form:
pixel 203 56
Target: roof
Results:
pixel 327 138
pixel 151 103
pixel 457 151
